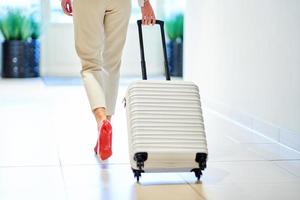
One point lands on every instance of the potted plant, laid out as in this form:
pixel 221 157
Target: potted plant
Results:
pixel 19 46
pixel 174 29
pixel 34 48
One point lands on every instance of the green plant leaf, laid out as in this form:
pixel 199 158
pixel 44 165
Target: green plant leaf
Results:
pixel 15 25
pixel 25 30
pixel 174 26
pixel 4 29
pixel 35 28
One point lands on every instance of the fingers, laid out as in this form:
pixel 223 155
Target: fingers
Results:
pixel 144 17
pixel 64 8
pixel 148 19
pixel 153 19
pixel 67 7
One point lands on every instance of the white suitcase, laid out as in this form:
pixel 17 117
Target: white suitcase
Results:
pixel 165 123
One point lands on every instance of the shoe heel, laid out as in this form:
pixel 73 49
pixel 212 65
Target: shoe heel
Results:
pixel 95 148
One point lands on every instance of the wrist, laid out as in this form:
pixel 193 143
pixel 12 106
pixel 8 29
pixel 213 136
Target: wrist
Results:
pixel 143 2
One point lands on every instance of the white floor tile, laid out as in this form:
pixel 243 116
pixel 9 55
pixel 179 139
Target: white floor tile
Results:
pixel 274 191
pixel 224 192
pixel 117 182
pixel 26 137
pixel 32 183
pixel 265 172
pixel 292 166
pixel 273 151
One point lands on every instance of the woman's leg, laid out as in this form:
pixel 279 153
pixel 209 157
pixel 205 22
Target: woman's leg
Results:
pixel 88 18
pixel 109 117
pixel 116 20
pixel 100 30
pixel 100 114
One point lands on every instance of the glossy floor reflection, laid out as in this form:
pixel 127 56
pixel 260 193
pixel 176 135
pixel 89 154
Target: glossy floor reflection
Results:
pixel 47 134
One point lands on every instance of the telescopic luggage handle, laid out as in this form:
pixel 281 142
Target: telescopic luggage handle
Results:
pixel 163 39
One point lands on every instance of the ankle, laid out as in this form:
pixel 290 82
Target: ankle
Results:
pixel 100 114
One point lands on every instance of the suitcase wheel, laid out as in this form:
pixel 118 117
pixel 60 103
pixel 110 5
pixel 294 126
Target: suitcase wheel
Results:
pixel 140 158
pixel 198 173
pixel 201 159
pixel 137 174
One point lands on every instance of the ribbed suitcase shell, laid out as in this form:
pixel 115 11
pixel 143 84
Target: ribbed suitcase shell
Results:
pixel 164 119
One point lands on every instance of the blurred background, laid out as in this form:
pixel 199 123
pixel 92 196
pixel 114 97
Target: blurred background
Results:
pixel 55 38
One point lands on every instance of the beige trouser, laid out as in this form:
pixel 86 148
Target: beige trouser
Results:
pixel 100 28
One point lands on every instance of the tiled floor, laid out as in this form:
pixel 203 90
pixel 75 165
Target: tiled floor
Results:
pixel 47 134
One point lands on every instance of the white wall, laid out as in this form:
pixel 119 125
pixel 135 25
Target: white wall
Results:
pixel 58 53
pixel 245 55
pixel 59 57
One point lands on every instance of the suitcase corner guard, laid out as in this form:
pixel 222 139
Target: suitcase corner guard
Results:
pixel 140 158
pixel 201 159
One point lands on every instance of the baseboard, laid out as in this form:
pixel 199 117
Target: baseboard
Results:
pixel 269 130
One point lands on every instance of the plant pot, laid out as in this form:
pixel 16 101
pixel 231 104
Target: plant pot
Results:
pixel 175 57
pixel 14 62
pixel 33 58
pixel 20 59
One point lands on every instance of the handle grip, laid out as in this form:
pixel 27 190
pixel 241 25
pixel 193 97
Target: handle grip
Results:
pixel 142 52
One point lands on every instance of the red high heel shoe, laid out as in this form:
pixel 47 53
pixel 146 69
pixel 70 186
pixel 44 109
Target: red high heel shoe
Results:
pixel 103 147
